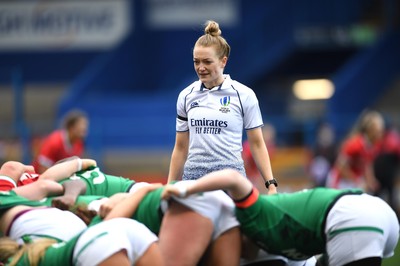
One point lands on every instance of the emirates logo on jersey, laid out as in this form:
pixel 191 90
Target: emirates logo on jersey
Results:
pixel 225 101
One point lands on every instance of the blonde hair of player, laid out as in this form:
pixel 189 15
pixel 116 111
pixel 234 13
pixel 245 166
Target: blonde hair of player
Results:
pixel 369 123
pixel 10 248
pixel 212 37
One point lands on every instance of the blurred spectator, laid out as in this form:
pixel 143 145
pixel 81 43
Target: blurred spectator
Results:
pixel 387 165
pixel 323 154
pixel 3 156
pixel 353 167
pixel 67 141
pixel 250 166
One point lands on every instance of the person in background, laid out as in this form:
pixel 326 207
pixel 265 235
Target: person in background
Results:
pixel 250 165
pixel 387 166
pixel 353 167
pixel 67 141
pixel 211 115
pixel 323 155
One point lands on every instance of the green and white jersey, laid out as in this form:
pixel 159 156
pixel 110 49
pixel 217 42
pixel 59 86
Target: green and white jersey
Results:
pixel 82 200
pixel 290 224
pixel 60 254
pixel 92 246
pixel 149 211
pixel 215 120
pixel 9 199
pixel 102 184
pixel 30 224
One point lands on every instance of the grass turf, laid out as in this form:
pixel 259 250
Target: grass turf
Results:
pixel 395 260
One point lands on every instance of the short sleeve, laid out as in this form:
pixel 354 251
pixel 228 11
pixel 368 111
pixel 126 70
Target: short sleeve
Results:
pixel 352 147
pixel 6 183
pixel 181 118
pixel 252 117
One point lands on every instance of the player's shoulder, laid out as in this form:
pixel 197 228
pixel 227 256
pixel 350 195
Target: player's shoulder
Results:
pixel 240 87
pixel 188 89
pixel 57 132
pixel 356 140
pixel 27 178
pixel 55 135
pixel 353 144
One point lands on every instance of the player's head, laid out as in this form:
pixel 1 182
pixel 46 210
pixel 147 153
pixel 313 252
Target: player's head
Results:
pixel 10 249
pixel 372 125
pixel 210 55
pixel 76 123
pixel 14 170
pixel 212 37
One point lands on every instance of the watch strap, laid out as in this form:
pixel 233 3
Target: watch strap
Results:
pixel 271 181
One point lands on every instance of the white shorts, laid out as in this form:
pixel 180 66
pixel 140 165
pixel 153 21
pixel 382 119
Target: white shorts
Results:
pixel 102 240
pixel 359 227
pixel 48 222
pixel 138 185
pixel 265 256
pixel 214 205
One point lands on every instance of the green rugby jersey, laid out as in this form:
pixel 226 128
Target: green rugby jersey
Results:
pixel 9 199
pixel 82 200
pixel 290 224
pixel 59 254
pixel 148 212
pixel 99 183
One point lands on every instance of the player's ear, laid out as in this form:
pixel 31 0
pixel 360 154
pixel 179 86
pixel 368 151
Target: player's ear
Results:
pixel 224 60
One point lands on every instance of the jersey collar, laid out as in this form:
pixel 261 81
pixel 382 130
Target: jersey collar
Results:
pixel 226 84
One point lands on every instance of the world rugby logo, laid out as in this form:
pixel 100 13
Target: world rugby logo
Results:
pixel 225 101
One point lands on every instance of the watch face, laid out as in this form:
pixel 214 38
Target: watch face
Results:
pixel 272 181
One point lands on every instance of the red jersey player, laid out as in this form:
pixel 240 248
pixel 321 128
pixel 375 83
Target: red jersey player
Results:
pixel 354 165
pixel 63 143
pixel 14 174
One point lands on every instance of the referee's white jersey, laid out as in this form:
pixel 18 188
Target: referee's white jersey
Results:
pixel 215 120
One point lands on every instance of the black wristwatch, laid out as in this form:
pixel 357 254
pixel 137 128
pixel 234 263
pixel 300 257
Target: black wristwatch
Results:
pixel 269 182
